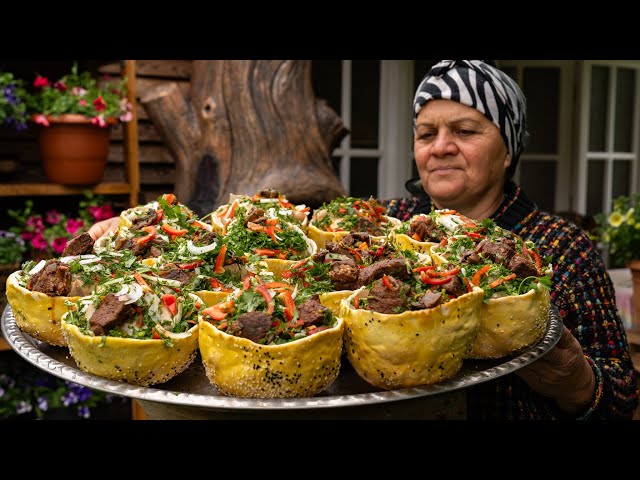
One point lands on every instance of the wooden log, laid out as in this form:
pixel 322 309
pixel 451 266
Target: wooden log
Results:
pixel 247 125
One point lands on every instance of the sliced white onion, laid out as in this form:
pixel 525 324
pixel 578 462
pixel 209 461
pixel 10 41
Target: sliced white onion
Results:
pixel 39 266
pixel 129 293
pixel 161 281
pixel 163 331
pixel 200 250
pixel 294 294
pixel 268 200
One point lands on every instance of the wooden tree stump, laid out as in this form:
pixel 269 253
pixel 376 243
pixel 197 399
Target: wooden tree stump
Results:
pixel 247 125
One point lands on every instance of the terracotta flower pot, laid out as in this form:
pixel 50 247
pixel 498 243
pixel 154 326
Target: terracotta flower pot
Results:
pixel 73 150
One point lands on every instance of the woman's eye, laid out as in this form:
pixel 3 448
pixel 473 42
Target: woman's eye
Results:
pixel 464 132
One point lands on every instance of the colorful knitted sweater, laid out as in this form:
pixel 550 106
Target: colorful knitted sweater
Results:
pixel 584 295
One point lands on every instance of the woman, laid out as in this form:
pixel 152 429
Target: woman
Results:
pixel 470 128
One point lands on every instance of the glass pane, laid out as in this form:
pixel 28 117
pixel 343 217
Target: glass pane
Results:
pixel 365 101
pixel 326 80
pixel 364 177
pixel 541 87
pixel 538 179
pixel 598 113
pixel 621 178
pixel 625 101
pixel 595 186
pixel 420 69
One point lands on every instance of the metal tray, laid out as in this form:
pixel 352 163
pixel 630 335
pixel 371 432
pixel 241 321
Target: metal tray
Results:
pixel 191 395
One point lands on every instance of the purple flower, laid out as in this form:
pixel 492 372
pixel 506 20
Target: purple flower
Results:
pixel 43 404
pixel 84 412
pixel 1 392
pixel 23 407
pixel 69 398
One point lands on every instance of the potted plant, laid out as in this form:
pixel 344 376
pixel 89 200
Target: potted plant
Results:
pixel 45 235
pixel 619 230
pixel 74 115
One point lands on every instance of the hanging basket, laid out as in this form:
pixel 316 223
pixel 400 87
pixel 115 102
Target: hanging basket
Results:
pixel 73 150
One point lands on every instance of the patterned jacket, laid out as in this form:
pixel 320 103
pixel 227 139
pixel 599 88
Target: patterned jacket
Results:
pixel 584 295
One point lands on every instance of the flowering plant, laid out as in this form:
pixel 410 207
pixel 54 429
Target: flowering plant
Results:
pixel 12 248
pixel 26 390
pixel 79 94
pixel 13 106
pixel 46 235
pixel 620 230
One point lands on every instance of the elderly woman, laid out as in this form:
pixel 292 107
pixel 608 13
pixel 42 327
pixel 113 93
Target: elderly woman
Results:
pixel 470 128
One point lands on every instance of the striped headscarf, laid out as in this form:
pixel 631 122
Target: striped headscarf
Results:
pixel 484 87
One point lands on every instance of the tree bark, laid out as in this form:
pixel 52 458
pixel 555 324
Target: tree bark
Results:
pixel 248 125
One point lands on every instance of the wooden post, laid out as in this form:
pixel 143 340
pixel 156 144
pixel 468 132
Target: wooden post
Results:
pixel 132 163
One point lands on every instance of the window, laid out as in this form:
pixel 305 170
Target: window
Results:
pixel 609 133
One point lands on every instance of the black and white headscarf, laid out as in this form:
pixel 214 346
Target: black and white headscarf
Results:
pixel 485 88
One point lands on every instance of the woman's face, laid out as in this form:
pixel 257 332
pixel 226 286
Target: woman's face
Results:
pixel 460 155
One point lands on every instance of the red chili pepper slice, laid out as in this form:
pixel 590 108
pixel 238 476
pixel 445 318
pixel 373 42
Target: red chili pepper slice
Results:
pixel 220 260
pixel 151 231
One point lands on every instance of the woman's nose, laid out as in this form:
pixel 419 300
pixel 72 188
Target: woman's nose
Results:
pixel 444 144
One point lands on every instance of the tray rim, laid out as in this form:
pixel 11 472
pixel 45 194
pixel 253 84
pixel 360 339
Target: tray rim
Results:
pixel 27 347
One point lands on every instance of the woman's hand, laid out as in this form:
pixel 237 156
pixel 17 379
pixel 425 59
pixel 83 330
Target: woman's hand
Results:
pixel 103 227
pixel 563 374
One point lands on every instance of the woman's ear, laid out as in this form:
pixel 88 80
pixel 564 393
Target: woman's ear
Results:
pixel 507 160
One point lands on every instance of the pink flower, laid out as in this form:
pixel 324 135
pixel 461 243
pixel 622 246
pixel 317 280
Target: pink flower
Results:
pixel 41 82
pixel 82 102
pixel 78 92
pixel 53 217
pixel 41 120
pixel 101 213
pixel 99 104
pixel 73 225
pixel 58 244
pixel 35 221
pixel 39 243
pixel 126 117
pixel 99 120
pixel 26 236
pixel 60 86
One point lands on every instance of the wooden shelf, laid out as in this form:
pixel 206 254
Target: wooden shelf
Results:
pixel 17 189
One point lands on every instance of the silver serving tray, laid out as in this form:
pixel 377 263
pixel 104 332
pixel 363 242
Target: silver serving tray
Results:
pixel 192 392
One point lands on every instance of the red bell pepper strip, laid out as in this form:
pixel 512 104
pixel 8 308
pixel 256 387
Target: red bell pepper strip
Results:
pixel 141 281
pixel 159 215
pixel 387 282
pixel 169 197
pixel 151 231
pixel 174 232
pixel 220 260
pixel 170 301
pixel 262 290
pixel 289 304
pixel 267 252
pixel 500 280
pixel 433 281
pixel 214 312
pixel 476 277
pixel 191 266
